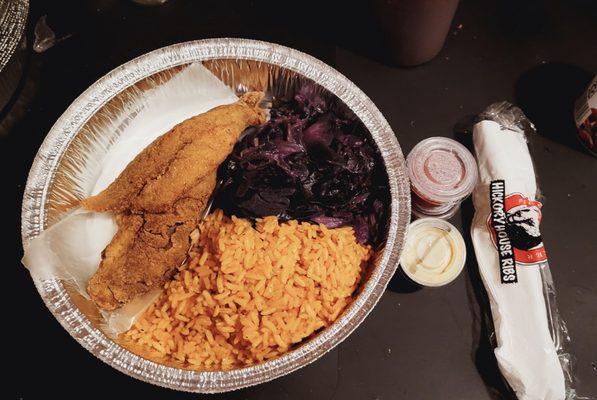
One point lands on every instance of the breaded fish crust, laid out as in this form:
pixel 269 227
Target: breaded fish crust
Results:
pixel 158 199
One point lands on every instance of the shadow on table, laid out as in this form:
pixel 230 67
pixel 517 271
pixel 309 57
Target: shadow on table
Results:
pixel 482 328
pixel 400 283
pixel 546 93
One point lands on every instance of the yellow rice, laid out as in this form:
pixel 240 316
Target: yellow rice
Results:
pixel 248 294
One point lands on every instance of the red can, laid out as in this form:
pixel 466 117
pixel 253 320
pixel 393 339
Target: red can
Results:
pixel 585 115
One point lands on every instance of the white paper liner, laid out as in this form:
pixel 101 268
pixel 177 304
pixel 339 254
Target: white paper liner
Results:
pixel 71 249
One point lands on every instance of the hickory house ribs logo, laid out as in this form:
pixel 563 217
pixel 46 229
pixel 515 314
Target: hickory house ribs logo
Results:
pixel 522 218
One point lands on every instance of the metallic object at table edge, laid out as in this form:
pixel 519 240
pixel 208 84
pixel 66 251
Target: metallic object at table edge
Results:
pixel 65 129
pixel 13 18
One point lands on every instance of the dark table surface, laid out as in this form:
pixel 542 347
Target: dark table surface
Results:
pixel 426 344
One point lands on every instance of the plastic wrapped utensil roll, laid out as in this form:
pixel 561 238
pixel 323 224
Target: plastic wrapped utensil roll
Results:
pixel 512 260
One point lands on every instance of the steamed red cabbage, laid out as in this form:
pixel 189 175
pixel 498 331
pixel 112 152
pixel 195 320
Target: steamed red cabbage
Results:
pixel 314 161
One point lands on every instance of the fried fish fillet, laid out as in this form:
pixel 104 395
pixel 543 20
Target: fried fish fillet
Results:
pixel 158 199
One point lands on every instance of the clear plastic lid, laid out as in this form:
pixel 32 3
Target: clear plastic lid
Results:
pixel 441 170
pixel 434 253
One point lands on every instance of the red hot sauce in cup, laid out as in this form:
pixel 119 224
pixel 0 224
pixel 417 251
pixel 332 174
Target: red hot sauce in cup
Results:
pixel 442 173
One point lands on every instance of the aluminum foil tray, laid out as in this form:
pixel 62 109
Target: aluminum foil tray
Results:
pixel 244 65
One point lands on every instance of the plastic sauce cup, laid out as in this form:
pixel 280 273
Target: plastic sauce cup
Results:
pixel 445 212
pixel 442 173
pixel 434 253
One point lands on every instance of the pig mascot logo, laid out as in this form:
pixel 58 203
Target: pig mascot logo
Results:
pixel 522 225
